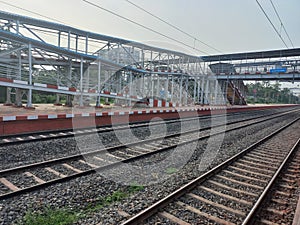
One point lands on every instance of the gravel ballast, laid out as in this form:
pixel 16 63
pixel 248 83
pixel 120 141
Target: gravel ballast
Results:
pixel 82 192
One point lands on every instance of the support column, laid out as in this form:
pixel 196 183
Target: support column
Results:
pixel 233 95
pixel 186 90
pixel 18 93
pixel 69 97
pixel 57 95
pixel 143 86
pixel 207 93
pixel 198 91
pixel 130 88
pixel 157 88
pixel 57 100
pixel 87 80
pixel 29 96
pixel 172 89
pixel 8 99
pixel 226 91
pixel 118 54
pixel 202 90
pixel 139 84
pixel 81 83
pixel 180 91
pixel 98 103
pixel 216 92
pixel 166 87
pixel 107 87
pixel 152 86
pixel 195 88
pixel 18 102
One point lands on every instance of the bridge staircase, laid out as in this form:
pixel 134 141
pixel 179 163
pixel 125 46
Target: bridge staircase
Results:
pixel 235 93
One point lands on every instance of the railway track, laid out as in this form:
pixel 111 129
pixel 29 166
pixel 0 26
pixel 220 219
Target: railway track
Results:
pixel 232 192
pixel 279 205
pixel 19 180
pixel 43 136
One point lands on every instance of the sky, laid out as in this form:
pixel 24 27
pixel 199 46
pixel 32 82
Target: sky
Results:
pixel 227 25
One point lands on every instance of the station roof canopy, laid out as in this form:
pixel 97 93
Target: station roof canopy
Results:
pixel 253 55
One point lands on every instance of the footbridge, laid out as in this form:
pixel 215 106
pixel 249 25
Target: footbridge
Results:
pixel 37 55
pixel 265 65
pixel 42 56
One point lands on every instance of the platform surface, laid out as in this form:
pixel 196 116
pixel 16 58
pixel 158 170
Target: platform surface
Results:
pixel 46 109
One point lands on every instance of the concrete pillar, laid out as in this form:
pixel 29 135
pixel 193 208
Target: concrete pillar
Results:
pixel 57 99
pixel 18 102
pixel 69 100
pixel 8 99
pixel 29 99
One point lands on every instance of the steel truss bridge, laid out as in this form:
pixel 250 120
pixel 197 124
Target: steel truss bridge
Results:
pixel 37 55
pixel 265 65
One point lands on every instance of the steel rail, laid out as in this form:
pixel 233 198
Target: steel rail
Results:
pixel 100 129
pixel 146 213
pixel 103 129
pixel 101 168
pixel 73 157
pixel 262 197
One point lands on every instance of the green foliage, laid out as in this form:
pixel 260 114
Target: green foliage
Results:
pixel 265 92
pixel 115 197
pixel 135 188
pixel 50 217
pixel 171 170
pixel 44 98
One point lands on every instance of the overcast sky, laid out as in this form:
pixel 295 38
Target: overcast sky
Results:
pixel 227 25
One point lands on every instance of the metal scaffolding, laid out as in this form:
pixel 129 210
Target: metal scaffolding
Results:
pixel 37 55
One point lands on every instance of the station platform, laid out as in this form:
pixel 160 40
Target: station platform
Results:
pixel 49 117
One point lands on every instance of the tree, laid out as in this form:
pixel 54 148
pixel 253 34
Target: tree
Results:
pixel 265 92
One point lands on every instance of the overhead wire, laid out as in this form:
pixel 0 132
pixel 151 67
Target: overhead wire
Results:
pixel 48 32
pixel 50 18
pixel 281 23
pixel 171 25
pixel 270 21
pixel 35 13
pixel 143 26
pixel 38 14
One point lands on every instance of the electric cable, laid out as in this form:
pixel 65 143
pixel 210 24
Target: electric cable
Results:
pixel 26 10
pixel 143 26
pixel 266 15
pixel 173 26
pixel 281 23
